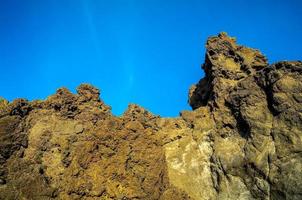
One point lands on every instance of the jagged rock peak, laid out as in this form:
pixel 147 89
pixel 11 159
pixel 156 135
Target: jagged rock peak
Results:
pixel 136 111
pixel 88 92
pixel 226 63
pixel 225 54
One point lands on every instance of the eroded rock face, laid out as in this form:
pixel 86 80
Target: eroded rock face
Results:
pixel 243 139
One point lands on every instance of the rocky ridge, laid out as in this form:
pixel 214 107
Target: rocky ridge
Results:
pixel 242 140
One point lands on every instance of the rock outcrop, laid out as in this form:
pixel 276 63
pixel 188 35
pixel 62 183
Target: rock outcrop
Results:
pixel 242 140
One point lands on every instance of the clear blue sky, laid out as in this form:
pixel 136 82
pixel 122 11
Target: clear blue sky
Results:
pixel 147 52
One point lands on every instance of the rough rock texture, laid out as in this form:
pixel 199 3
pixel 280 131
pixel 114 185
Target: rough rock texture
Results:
pixel 243 139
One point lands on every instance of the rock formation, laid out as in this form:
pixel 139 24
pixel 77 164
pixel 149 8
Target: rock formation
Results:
pixel 243 139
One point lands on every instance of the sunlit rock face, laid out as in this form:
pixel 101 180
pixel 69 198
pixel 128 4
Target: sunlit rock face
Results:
pixel 242 140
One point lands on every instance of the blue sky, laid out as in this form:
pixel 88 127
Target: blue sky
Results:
pixel 147 52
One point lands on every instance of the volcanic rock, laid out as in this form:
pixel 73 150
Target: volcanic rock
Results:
pixel 242 140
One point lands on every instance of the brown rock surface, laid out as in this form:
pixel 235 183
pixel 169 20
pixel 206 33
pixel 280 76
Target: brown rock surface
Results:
pixel 243 139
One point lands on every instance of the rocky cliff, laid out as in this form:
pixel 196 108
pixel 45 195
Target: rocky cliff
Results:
pixel 243 139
